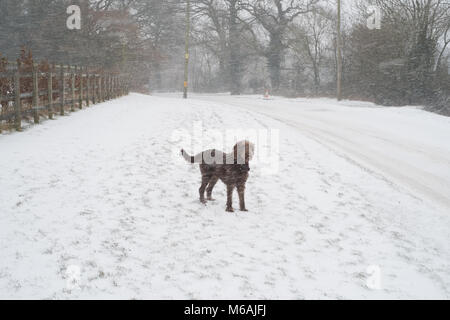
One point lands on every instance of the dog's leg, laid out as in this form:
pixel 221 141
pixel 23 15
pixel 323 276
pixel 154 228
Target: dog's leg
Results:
pixel 230 189
pixel 205 180
pixel 241 193
pixel 210 187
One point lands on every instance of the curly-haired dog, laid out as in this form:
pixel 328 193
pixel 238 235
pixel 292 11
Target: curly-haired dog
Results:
pixel 232 168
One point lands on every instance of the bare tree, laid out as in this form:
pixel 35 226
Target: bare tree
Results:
pixel 423 23
pixel 274 16
pixel 211 31
pixel 161 34
pixel 310 42
pixel 221 33
pixel 339 52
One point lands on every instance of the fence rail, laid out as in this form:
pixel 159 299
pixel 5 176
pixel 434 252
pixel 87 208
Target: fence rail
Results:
pixel 47 90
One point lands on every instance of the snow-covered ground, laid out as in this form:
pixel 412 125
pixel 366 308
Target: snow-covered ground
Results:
pixel 95 205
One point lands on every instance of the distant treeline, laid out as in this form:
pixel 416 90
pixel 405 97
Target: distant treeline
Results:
pixel 247 46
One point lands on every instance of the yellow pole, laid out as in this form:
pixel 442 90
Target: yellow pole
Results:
pixel 186 56
pixel 339 52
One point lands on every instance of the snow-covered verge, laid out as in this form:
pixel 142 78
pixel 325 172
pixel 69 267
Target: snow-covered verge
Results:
pixel 94 205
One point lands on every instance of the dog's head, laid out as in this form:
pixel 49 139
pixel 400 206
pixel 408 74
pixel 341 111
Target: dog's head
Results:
pixel 244 151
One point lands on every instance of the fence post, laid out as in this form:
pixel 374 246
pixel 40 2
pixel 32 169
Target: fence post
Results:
pixel 50 93
pixel 93 88
pixel 17 104
pixel 35 102
pixel 80 93
pixel 109 87
pixel 62 90
pixel 103 86
pixel 94 95
pixel 97 82
pixel 72 80
pixel 87 87
pixel 100 87
pixel 105 77
pixel 117 87
pixel 114 87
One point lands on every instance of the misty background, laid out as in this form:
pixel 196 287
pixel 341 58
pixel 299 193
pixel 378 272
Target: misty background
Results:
pixel 247 46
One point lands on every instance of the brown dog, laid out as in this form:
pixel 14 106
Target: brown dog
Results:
pixel 231 168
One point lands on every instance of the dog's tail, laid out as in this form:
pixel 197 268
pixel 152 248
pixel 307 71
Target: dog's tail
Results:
pixel 187 157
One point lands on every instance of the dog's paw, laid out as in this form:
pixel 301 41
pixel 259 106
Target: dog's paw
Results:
pixel 244 209
pixel 210 199
pixel 230 210
pixel 203 201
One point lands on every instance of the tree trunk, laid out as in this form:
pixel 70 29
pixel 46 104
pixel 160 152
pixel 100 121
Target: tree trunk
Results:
pixel 274 60
pixel 157 76
pixel 235 58
pixel 316 78
pixel 339 52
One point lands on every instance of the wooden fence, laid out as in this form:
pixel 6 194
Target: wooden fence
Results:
pixel 41 91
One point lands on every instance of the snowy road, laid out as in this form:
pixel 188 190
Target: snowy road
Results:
pixel 95 206
pixel 409 146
